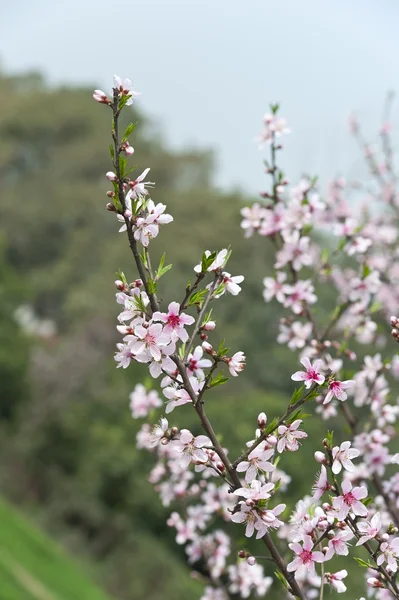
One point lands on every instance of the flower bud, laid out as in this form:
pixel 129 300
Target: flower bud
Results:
pixel 243 554
pixel 203 337
pixel 385 537
pixel 110 207
pixel 320 457
pixel 111 176
pixel 209 326
pixel 262 420
pixel 374 583
pixel 251 560
pixel 120 285
pixel 174 431
pixel 101 97
pixel 111 194
pixel 208 348
pixel 394 321
pixel 271 440
pixel 220 466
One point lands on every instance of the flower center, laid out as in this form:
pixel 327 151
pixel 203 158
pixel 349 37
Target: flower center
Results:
pixel 306 556
pixel 174 320
pixel 349 498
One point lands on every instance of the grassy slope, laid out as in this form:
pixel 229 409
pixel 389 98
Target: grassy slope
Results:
pixel 33 567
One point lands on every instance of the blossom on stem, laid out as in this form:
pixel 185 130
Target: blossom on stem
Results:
pixel 141 401
pixel 306 557
pixel 195 363
pixel 342 456
pixel 389 554
pixel 311 375
pixel 175 321
pixel 338 544
pixel 137 187
pixel 158 433
pixel 369 529
pixel 191 448
pixel 335 580
pixel 236 363
pixel 125 88
pixel 321 484
pixel 290 436
pixel 258 460
pixel 274 288
pixel 350 501
pixel 336 389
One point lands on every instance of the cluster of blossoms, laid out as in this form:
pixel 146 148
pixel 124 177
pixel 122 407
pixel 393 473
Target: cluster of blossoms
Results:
pixel 361 269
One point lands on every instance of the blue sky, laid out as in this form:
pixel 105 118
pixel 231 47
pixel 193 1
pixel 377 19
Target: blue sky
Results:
pixel 208 69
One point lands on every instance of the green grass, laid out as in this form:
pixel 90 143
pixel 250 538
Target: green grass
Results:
pixel 33 567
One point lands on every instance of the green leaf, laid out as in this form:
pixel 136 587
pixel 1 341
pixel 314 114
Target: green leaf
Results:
pixel 366 271
pixel 128 131
pixel 222 350
pixel 197 298
pixel 207 261
pixel 161 269
pixel 329 438
pixel 120 275
pixel 112 151
pixel 218 380
pixel 297 395
pixel 271 427
pixel 363 563
pixel 281 579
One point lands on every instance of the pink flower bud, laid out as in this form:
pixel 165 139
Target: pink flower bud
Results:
pixel 243 554
pixel 251 560
pixel 100 96
pixel 262 420
pixel 209 326
pixel 394 321
pixel 374 583
pixel 120 285
pixel 320 457
pixel 110 207
pixel 208 348
pixel 111 194
pixel 111 176
pixel 271 440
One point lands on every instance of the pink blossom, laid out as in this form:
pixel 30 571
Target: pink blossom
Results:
pixel 125 88
pixel 175 321
pixel 306 557
pixel 295 335
pixel 255 492
pixel 311 375
pixel 350 501
pixel 141 401
pixel 158 433
pixel 369 529
pixel 231 284
pixel 342 456
pixel 236 363
pixel 302 292
pixel 338 544
pixel 257 461
pixel 295 251
pixel 195 363
pixel 246 579
pixel 150 340
pixel 389 554
pixel 337 389
pixel 252 218
pixel 290 436
pixel 178 396
pixel 138 186
pixel 100 96
pixel 191 448
pixel 218 263
pixel 321 484
pixel 274 287
pixel 335 580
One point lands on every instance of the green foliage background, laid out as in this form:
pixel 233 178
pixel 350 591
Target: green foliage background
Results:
pixel 67 441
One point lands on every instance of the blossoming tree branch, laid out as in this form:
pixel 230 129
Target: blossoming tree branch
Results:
pixel 355 498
